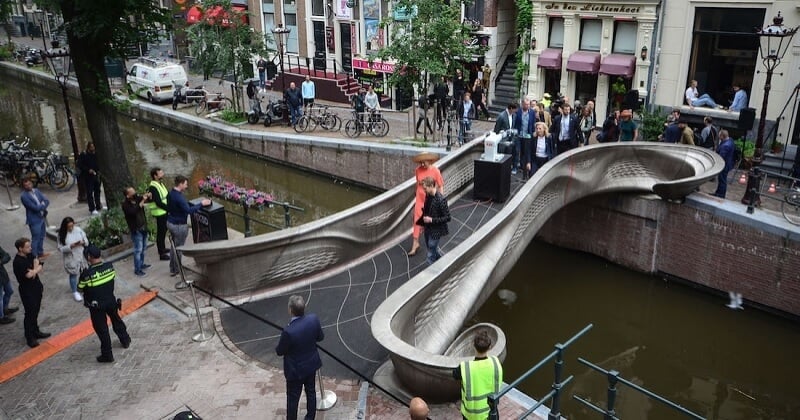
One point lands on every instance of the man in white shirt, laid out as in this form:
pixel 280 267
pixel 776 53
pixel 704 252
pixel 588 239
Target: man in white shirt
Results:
pixel 693 100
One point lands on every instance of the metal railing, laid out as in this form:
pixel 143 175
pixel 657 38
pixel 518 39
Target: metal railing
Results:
pixel 287 217
pixel 613 379
pixel 556 388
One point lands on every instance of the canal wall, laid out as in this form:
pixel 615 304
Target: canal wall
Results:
pixel 706 242
pixel 372 165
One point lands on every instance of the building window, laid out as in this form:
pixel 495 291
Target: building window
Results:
pixel 291 40
pixel 556 33
pixel 624 37
pixel 269 24
pixel 590 34
pixel 724 50
pixel 474 11
pixel 318 8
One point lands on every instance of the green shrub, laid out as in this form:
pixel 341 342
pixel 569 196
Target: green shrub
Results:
pixel 231 116
pixel 745 148
pixel 107 229
pixel 652 124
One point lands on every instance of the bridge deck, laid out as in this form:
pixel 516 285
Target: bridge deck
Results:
pixel 345 302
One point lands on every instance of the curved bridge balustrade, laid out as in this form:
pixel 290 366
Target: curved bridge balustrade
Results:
pixel 419 321
pixel 241 268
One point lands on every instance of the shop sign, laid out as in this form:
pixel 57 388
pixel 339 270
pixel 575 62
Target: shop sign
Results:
pixel 401 13
pixel 341 10
pixel 592 7
pixel 378 66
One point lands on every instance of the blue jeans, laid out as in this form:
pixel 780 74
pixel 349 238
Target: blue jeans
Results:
pixel 73 282
pixel 466 125
pixel 37 237
pixel 722 184
pixel 704 100
pixel 433 248
pixel 296 112
pixel 139 238
pixel 179 234
pixel 6 291
pixel 262 77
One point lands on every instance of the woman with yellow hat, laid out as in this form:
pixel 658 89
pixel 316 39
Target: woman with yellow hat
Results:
pixel 425 169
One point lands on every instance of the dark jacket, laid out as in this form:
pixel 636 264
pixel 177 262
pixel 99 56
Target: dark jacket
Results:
pixel 502 122
pixel 441 91
pixel 178 209
pixel 436 208
pixel 298 346
pixel 4 259
pixel 529 151
pixel 88 161
pixel 672 134
pixel 293 97
pixel 134 214
pixel 531 122
pixel 97 284
pixel 571 137
pixel 610 131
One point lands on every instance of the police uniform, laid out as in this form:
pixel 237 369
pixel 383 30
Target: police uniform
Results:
pixel 97 285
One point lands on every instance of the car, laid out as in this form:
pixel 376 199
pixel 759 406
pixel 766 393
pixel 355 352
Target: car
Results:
pixel 155 79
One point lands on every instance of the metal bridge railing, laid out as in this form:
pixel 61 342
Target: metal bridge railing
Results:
pixel 614 378
pixel 555 392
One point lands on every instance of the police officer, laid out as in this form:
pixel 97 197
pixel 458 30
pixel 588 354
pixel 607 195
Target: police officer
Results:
pixel 97 285
pixel 479 378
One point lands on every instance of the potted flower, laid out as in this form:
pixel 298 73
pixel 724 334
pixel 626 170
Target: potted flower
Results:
pixel 777 147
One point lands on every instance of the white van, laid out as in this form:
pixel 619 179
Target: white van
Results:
pixel 154 79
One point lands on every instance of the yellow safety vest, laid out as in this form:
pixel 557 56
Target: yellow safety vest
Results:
pixel 479 380
pixel 156 211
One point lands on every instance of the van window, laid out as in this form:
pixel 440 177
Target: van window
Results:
pixel 133 71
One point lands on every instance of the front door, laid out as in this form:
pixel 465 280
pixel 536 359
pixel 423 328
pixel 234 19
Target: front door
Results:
pixel 347 47
pixel 319 45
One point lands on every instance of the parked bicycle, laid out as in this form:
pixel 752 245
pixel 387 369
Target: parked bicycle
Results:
pixel 50 168
pixel 318 116
pixel 370 122
pixel 182 94
pixel 783 188
pixel 213 102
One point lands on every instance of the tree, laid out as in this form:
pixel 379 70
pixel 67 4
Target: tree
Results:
pixel 433 42
pixel 5 13
pixel 223 40
pixel 97 29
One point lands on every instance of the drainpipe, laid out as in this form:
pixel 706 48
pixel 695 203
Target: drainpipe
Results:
pixel 652 76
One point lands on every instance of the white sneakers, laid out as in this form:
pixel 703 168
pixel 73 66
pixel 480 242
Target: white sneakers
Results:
pixel 77 296
pixel 95 213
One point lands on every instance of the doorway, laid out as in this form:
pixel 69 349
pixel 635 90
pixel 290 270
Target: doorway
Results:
pixel 347 47
pixel 319 45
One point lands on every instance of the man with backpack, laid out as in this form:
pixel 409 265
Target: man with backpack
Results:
pixel 708 136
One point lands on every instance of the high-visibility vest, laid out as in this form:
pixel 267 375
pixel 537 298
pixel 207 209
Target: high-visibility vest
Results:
pixel 156 211
pixel 479 380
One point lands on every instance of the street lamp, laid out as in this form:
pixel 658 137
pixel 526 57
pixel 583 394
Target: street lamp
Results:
pixel 773 43
pixel 60 62
pixel 280 32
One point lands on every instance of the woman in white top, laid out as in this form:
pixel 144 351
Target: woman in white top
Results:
pixel 538 150
pixel 71 240
pixel 371 100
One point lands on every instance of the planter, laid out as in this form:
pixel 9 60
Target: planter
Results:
pixel 116 249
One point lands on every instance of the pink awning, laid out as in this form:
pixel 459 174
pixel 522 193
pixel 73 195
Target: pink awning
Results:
pixel 619 65
pixel 550 58
pixel 584 62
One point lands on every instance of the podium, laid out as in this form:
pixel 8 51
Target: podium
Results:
pixel 209 224
pixel 493 179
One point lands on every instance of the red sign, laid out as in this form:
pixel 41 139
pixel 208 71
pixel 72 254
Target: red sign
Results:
pixel 377 65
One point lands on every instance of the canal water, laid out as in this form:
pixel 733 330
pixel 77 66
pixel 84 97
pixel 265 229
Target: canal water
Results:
pixel 676 341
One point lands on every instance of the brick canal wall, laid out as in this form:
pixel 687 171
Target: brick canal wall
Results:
pixel 715 247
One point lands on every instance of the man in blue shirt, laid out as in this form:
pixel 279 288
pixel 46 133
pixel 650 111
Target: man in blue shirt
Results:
pixel 726 149
pixel 309 91
pixel 178 211
pixel 739 99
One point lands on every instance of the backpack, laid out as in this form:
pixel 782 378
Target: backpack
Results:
pixel 711 141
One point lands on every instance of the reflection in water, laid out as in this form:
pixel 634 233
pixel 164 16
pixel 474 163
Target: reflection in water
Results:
pixel 42 118
pixel 678 342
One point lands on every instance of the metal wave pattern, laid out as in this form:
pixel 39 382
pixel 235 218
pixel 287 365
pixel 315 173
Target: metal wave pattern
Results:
pixel 241 268
pixel 420 322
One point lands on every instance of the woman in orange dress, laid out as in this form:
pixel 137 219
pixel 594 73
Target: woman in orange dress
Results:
pixel 425 169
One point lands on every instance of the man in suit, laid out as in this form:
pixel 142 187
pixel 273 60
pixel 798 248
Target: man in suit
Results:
pixel 505 119
pixel 298 346
pixel 35 214
pixel 525 124
pixel 565 129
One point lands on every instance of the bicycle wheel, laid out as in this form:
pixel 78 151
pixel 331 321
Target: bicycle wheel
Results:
pixel 200 107
pixel 252 118
pixel 352 128
pixel 331 122
pixel 60 179
pixel 224 104
pixel 380 128
pixel 303 124
pixel 791 208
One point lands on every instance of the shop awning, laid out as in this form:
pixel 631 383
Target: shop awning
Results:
pixel 584 62
pixel 550 58
pixel 619 65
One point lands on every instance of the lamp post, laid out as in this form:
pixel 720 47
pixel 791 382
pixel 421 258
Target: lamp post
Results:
pixel 60 61
pixel 280 32
pixel 773 43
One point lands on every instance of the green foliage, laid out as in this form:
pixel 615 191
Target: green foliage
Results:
pixel 432 43
pixel 524 30
pixel 225 43
pixel 107 229
pixel 231 116
pixel 746 148
pixel 652 124
pixel 6 51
